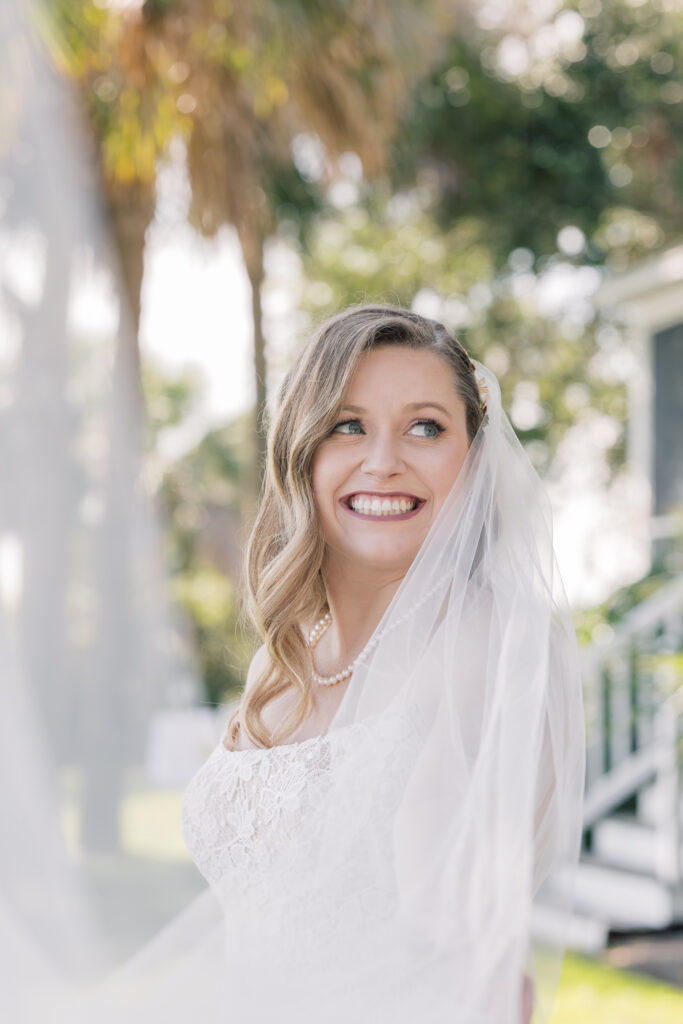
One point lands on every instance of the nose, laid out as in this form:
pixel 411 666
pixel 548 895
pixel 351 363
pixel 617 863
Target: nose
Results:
pixel 382 458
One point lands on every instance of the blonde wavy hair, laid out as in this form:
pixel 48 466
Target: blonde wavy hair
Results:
pixel 284 554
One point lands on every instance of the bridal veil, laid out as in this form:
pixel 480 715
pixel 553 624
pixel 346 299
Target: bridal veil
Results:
pixel 464 829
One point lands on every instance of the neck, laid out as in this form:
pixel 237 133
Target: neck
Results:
pixel 357 603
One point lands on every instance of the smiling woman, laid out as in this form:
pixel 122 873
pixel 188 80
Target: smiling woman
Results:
pixel 386 365
pixel 392 452
pixel 394 812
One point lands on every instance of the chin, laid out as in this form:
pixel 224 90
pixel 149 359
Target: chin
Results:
pixel 386 559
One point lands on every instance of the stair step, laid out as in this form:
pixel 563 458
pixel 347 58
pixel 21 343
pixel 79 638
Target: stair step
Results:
pixel 626 842
pixel 609 791
pixel 653 803
pixel 622 899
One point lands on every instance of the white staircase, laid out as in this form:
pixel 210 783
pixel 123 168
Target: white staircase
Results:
pixel 630 875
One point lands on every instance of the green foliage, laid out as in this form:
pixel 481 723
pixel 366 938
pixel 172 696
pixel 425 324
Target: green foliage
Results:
pixel 296 201
pixel 125 81
pixel 487 168
pixel 520 169
pixel 208 597
pixel 201 494
pixel 589 135
pixel 70 31
pixel 590 623
pixel 168 400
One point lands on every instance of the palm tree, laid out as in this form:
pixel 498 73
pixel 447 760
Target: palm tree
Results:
pixel 240 80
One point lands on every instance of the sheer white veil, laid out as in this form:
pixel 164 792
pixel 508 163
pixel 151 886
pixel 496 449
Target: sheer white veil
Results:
pixel 472 681
pixel 96 665
pixel 435 870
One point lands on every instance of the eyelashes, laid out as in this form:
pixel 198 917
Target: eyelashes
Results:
pixel 430 422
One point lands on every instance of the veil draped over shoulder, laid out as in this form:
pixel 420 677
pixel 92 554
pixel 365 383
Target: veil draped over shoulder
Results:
pixel 433 868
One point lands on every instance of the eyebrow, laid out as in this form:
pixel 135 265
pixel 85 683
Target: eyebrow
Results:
pixel 410 405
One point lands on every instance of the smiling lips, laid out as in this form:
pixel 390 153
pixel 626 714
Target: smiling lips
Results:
pixel 390 506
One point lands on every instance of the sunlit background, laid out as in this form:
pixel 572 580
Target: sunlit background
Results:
pixel 512 169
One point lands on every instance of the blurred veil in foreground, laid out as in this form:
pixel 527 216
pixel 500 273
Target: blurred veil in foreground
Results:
pixel 102 915
pixel 94 660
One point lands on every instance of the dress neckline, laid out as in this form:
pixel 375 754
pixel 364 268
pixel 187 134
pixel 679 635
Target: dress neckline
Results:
pixel 299 744
pixel 278 746
pixel 288 746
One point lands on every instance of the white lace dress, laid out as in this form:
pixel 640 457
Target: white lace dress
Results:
pixel 248 820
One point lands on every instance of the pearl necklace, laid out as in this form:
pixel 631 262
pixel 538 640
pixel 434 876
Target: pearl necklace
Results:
pixel 323 623
pixel 319 628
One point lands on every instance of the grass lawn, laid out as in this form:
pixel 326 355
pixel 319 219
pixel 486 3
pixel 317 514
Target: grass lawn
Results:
pixel 594 993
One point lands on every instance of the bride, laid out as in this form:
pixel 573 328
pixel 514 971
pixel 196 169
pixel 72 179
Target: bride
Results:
pixel 399 789
pixel 389 824
pixel 377 480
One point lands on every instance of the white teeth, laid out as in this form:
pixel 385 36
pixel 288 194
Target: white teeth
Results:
pixel 376 506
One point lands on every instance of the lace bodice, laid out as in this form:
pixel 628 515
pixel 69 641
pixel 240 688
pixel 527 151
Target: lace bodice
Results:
pixel 243 808
pixel 251 821
pixel 242 805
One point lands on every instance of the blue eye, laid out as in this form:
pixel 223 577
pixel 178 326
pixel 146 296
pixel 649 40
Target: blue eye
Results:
pixel 438 429
pixel 344 423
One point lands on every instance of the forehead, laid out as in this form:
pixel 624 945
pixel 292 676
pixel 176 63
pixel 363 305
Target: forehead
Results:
pixel 390 370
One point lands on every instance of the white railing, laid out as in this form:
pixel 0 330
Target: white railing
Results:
pixel 633 692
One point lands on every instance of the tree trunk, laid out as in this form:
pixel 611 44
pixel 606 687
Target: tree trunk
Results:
pixel 253 257
pixel 131 209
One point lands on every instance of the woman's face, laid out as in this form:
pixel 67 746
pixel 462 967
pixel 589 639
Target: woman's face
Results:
pixel 401 439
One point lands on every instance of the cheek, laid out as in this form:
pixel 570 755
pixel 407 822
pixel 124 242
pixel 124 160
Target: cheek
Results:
pixel 327 474
pixel 452 469
pixel 322 481
pixel 323 485
pixel 462 455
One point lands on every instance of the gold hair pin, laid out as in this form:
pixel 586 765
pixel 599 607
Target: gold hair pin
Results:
pixel 482 387
pixel 483 393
